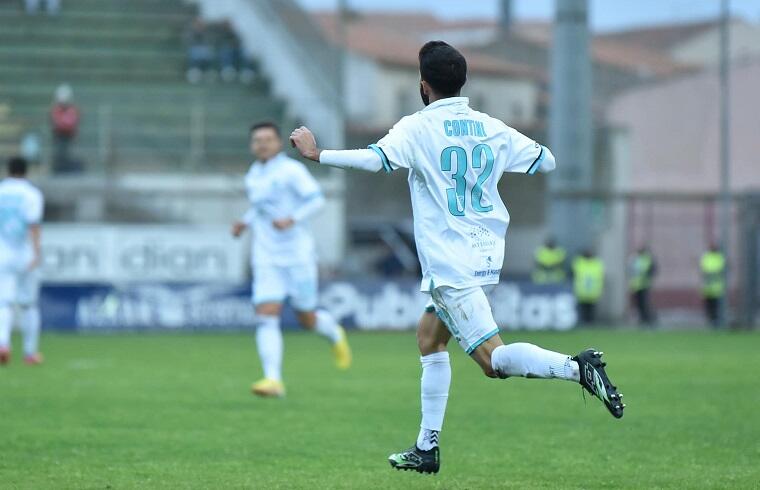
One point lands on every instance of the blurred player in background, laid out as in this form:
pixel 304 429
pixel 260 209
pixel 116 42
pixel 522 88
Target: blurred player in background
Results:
pixel 21 206
pixel 455 157
pixel 283 195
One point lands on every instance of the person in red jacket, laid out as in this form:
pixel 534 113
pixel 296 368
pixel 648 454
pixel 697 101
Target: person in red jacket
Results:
pixel 64 119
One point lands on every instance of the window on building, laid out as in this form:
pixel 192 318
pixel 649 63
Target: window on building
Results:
pixel 478 102
pixel 405 103
pixel 518 113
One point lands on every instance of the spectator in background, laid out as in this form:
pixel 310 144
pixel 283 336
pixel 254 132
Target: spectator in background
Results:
pixel 228 52
pixel 389 265
pixel 549 263
pixel 32 7
pixel 200 52
pixel 64 119
pixel 642 270
pixel 713 266
pixel 588 285
pixel 247 70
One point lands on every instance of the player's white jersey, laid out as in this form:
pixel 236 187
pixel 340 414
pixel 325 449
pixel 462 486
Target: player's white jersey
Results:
pixel 281 188
pixel 456 156
pixel 21 206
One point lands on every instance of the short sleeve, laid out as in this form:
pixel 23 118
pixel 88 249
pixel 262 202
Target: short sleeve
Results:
pixel 524 154
pixel 304 184
pixel 34 207
pixel 396 148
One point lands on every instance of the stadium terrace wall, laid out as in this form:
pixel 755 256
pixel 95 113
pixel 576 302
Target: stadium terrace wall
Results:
pixel 366 304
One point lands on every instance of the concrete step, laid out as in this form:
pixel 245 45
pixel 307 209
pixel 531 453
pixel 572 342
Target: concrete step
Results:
pixel 20 74
pixel 116 59
pixel 144 6
pixel 161 94
pixel 97 18
pixel 164 112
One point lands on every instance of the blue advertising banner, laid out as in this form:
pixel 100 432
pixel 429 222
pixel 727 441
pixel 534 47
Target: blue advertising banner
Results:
pixel 367 304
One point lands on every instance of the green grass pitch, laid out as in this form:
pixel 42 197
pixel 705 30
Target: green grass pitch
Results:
pixel 174 411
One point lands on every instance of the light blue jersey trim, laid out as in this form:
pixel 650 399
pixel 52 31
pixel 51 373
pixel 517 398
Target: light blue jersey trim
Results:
pixel 482 339
pixel 386 165
pixel 537 162
pixel 313 195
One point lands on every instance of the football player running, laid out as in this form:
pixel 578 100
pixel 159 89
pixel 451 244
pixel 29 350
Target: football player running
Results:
pixel 283 195
pixel 455 157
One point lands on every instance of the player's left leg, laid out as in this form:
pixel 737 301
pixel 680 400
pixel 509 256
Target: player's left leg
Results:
pixel 303 293
pixel 29 315
pixel 468 316
pixel 432 339
pixel 268 294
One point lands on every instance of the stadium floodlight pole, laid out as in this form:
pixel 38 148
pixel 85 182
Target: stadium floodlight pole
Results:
pixel 342 59
pixel 571 127
pixel 338 176
pixel 725 149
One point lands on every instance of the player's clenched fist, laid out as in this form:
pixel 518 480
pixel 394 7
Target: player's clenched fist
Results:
pixel 303 139
pixel 238 227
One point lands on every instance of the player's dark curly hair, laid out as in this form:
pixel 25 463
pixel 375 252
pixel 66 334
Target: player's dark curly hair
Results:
pixel 17 166
pixel 267 125
pixel 443 68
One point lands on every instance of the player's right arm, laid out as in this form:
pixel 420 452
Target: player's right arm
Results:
pixel 303 139
pixel 391 152
pixel 239 226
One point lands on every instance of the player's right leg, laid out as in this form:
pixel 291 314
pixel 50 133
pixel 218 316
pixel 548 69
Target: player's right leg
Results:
pixel 432 338
pixel 269 292
pixel 6 319
pixel 7 296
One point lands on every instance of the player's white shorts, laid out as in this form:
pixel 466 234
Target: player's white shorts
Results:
pixel 21 288
pixel 274 284
pixel 466 313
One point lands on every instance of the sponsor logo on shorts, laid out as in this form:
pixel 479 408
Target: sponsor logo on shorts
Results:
pixel 487 273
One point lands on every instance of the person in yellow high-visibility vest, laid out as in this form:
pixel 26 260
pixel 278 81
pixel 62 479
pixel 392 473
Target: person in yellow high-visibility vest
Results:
pixel 588 284
pixel 642 269
pixel 713 267
pixel 549 263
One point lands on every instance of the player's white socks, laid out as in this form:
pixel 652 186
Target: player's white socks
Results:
pixel 269 345
pixel 531 361
pixel 6 319
pixel 29 320
pixel 435 382
pixel 327 326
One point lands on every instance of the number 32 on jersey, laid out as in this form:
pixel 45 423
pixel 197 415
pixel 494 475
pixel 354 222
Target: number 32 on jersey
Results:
pixel 482 157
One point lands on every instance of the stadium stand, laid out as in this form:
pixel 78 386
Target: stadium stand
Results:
pixel 126 63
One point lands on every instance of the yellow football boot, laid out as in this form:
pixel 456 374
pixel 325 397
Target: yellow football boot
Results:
pixel 342 351
pixel 268 388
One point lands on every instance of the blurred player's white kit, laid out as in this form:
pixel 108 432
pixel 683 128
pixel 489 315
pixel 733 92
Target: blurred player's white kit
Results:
pixel 284 261
pixel 470 151
pixel 456 156
pixel 21 206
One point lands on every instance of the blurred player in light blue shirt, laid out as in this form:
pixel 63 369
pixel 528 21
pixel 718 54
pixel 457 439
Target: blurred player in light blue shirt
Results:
pixel 21 206
pixel 283 196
